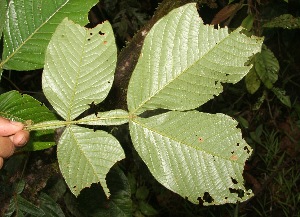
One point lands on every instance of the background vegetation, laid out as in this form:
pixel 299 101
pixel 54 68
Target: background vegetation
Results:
pixel 269 118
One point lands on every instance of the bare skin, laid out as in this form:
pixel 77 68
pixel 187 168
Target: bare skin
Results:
pixel 12 135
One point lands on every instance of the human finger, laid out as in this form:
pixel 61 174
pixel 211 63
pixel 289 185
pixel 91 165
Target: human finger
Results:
pixel 1 162
pixel 7 147
pixel 20 138
pixel 8 127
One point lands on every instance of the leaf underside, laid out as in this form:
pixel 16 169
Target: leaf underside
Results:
pixel 183 62
pixel 182 65
pixel 194 154
pixel 30 25
pixel 85 157
pixel 79 67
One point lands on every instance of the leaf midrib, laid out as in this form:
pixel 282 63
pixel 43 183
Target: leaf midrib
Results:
pixel 135 111
pixel 72 104
pixel 180 142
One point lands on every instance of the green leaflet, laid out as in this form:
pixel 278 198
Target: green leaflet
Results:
pixel 24 108
pixel 120 203
pixel 286 21
pixel 266 67
pixel 183 62
pixel 252 81
pixel 3 5
pixel 79 67
pixel 30 25
pixel 281 95
pixel 113 117
pixel 85 157
pixel 49 206
pixel 192 153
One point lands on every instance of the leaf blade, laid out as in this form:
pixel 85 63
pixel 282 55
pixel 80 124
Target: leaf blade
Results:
pixel 193 60
pixel 18 107
pixel 93 158
pixel 204 150
pixel 30 25
pixel 3 5
pixel 72 77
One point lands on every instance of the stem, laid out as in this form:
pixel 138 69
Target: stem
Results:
pixel 57 124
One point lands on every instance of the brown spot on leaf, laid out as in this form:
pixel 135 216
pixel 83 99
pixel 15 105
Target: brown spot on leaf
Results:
pixel 233 157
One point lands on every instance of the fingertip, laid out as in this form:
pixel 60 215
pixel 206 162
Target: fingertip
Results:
pixel 20 138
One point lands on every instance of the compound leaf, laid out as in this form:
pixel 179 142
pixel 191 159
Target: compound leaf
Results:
pixel 30 25
pixel 183 62
pixel 194 154
pixel 24 108
pixel 85 157
pixel 79 67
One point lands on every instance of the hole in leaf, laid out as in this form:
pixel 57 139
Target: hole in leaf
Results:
pixel 226 198
pixel 207 198
pixel 101 33
pixel 234 181
pixel 239 192
pixel 91 33
pixel 200 201
pixel 232 152
pixel 74 186
pixel 92 105
pixel 238 144
pixel 89 39
pixel 247 149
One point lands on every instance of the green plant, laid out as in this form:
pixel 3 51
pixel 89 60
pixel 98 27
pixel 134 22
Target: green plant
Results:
pixel 182 65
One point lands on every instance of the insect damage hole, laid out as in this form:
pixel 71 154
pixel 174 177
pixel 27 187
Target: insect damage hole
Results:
pixel 234 181
pixel 247 149
pixel 101 33
pixel 207 198
pixel 240 193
